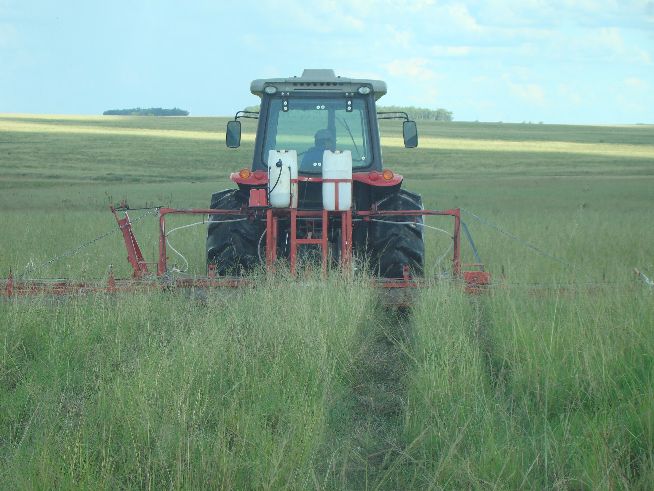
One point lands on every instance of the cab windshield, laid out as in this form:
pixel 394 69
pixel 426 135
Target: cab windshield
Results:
pixel 312 125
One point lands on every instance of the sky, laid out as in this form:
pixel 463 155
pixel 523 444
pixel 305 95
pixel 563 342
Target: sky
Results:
pixel 551 61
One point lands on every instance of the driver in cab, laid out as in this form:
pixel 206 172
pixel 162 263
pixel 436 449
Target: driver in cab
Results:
pixel 312 159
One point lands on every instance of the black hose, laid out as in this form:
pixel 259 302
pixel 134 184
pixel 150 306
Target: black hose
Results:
pixel 279 175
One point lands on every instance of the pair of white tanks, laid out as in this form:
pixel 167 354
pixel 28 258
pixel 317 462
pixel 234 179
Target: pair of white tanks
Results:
pixel 282 168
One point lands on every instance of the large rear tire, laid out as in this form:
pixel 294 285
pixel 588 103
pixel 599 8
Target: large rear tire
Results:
pixel 232 245
pixel 391 245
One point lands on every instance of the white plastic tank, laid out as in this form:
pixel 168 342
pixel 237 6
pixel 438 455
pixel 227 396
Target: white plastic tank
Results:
pixel 337 165
pixel 282 167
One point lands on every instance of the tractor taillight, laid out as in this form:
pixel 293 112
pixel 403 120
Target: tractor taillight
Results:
pixel 373 175
pixel 259 175
pixel 388 174
pixel 244 174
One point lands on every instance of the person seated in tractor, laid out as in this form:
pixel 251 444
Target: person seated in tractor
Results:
pixel 312 159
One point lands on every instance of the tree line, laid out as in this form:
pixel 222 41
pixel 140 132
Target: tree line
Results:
pixel 420 113
pixel 150 111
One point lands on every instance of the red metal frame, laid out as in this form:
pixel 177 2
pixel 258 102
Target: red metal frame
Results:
pixel 134 255
pixel 455 212
pixel 162 267
pixel 15 288
pixel 475 280
pixel 272 219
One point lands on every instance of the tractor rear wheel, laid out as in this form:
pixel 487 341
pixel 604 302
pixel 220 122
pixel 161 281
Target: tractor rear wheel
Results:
pixel 392 245
pixel 232 240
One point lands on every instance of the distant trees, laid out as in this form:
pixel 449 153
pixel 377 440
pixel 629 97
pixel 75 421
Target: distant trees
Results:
pixel 151 111
pixel 421 113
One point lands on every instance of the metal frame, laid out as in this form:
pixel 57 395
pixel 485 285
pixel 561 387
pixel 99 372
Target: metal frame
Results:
pixel 142 278
pixel 474 279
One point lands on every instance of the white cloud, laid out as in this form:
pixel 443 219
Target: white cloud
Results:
pixel 390 6
pixel 414 68
pixel 426 97
pixel 610 41
pixel 252 41
pixel 8 34
pixel 418 5
pixel 403 39
pixel 599 45
pixel 359 74
pixel 643 56
pixel 461 17
pixel 323 16
pixel 447 51
pixel 529 92
pixel 569 95
pixel 635 83
pixel 620 13
pixel 609 37
pixel 5 7
pixel 352 22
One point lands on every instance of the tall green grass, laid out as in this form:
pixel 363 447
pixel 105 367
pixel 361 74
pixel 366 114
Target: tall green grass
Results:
pixel 158 391
pixel 516 390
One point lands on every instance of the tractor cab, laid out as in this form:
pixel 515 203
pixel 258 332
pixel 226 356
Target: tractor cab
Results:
pixel 311 125
pixel 317 112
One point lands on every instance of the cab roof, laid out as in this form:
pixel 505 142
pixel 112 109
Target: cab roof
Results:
pixel 322 80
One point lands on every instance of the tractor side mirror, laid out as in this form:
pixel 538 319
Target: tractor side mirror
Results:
pixel 233 136
pixel 410 133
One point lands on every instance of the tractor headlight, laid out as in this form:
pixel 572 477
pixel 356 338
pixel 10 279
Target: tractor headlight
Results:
pixel 270 89
pixel 364 90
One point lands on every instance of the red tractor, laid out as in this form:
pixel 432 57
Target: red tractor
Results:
pixel 317 189
pixel 317 142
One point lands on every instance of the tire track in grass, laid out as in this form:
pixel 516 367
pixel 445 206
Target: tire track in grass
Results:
pixel 365 423
pixel 497 370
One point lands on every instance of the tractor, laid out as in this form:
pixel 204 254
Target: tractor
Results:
pixel 317 142
pixel 317 190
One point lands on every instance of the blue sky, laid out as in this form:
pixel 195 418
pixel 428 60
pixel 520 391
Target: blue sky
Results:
pixel 558 61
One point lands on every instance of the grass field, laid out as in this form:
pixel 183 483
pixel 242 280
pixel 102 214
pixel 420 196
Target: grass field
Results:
pixel 313 384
